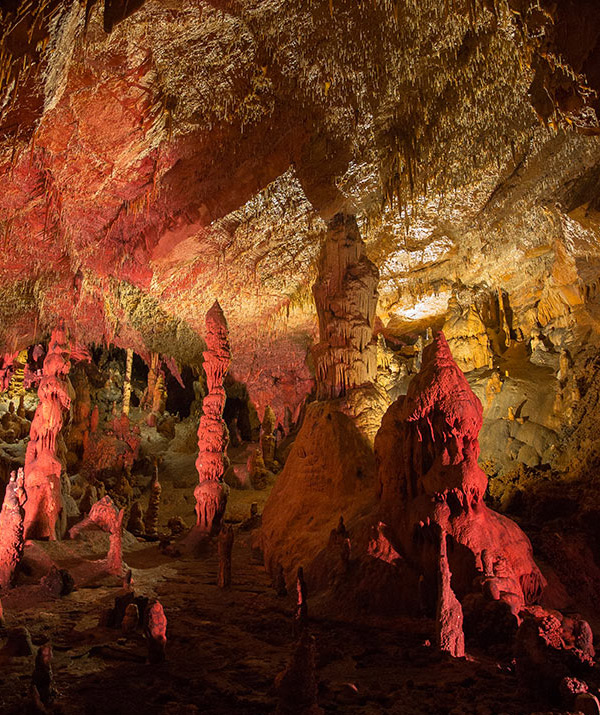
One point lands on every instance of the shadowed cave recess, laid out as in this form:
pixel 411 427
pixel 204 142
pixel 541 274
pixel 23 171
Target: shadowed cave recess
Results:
pixel 299 357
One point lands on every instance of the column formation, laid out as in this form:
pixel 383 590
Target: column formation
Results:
pixel 346 296
pixel 42 465
pixel 213 436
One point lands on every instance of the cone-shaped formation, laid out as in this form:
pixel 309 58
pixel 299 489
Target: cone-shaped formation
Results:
pixel 427 450
pixel 11 529
pixel 211 494
pixel 42 466
pixel 346 298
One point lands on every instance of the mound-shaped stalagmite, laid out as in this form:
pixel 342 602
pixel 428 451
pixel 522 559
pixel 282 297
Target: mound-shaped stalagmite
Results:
pixel 330 471
pixel 212 462
pixel 346 297
pixel 42 465
pixel 426 451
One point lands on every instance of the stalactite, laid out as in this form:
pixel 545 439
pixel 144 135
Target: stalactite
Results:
pixel 151 518
pixel 346 298
pixel 212 462
pixel 42 465
pixel 127 381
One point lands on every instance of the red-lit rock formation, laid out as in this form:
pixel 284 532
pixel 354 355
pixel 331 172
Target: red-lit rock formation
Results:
pixel 42 465
pixel 346 297
pixel 449 616
pixel 155 631
pixel 212 462
pixel 105 515
pixel 427 450
pixel 11 529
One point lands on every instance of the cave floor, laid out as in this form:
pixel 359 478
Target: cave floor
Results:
pixel 225 648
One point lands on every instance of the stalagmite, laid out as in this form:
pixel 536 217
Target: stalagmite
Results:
pixel 43 679
pixel 42 465
pixel 301 612
pixel 449 618
pixel 297 685
pixel 105 515
pixel 114 558
pixel 427 450
pixel 156 632
pixel 225 547
pixel 127 381
pixel 11 529
pixel 212 462
pixel 152 377
pixel 130 619
pixel 151 517
pixel 346 298
pixel 267 438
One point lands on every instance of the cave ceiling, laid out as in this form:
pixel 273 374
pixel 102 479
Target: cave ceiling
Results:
pixel 157 155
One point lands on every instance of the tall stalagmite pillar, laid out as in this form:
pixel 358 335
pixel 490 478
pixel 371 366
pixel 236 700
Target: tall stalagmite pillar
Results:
pixel 213 436
pixel 346 295
pixel 42 466
pixel 127 381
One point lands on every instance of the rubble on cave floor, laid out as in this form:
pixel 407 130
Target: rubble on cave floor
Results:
pixel 226 647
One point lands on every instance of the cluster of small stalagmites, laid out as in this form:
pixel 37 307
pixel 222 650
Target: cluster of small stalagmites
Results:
pixel 345 295
pixel 11 528
pixel 42 465
pixel 212 462
pixel 554 656
pixel 13 425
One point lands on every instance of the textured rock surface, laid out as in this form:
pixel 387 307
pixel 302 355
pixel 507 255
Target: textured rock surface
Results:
pixel 346 298
pixel 427 450
pixel 213 436
pixel 330 471
pixel 43 467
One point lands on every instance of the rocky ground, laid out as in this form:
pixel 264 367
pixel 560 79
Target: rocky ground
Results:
pixel 225 648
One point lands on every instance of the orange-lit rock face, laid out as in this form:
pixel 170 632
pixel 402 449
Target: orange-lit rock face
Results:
pixel 427 450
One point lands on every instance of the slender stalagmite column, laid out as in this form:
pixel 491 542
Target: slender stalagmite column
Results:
pixel 211 492
pixel 42 466
pixel 152 376
pixel 127 381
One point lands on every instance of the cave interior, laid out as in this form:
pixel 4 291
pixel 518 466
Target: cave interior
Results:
pixel 299 357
